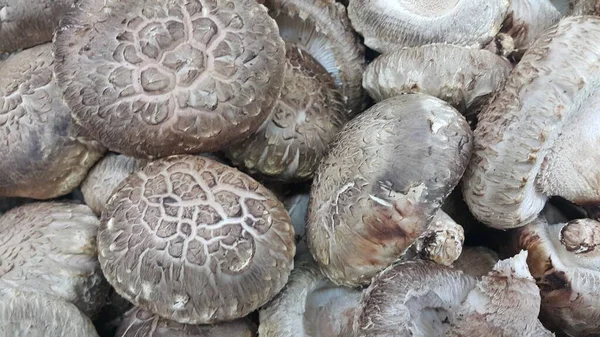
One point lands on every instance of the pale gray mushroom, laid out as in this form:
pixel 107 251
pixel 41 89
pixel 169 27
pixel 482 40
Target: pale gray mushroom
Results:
pixel 388 25
pixel 34 314
pixel 309 305
pixel 386 175
pixel 532 141
pixel 50 247
pixel 463 77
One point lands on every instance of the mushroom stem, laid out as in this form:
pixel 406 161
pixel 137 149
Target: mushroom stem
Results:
pixel 442 242
pixel 581 237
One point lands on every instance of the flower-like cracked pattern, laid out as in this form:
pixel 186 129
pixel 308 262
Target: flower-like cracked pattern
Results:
pixel 188 238
pixel 185 76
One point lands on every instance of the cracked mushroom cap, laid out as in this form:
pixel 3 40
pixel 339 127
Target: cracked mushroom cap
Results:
pixel 50 247
pixel 532 141
pixel 309 305
pixel 154 78
pixel 290 145
pixel 138 322
pixel 34 314
pixel 388 25
pixel 26 23
pixel 386 174
pixel 44 153
pixel 322 29
pixel 195 241
pixel 463 77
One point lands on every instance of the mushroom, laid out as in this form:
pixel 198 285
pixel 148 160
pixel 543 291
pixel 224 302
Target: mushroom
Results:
pixel 583 7
pixel 29 23
pixel 154 78
pixel 309 305
pixel 386 174
pixel 388 25
pixel 44 153
pixel 531 141
pixel 463 77
pixel 421 298
pixel 297 208
pixel 34 314
pixel 50 247
pixel 195 241
pixel 476 261
pixel 322 29
pixel 310 111
pixel 138 322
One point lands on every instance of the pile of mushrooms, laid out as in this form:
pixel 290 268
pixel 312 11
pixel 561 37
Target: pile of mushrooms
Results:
pixel 299 168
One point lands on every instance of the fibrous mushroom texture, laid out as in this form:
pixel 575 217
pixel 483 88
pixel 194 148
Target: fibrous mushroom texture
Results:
pixel 195 241
pixel 442 242
pixel 154 78
pixel 310 305
pixel 463 77
pixel 532 141
pixel 306 118
pixel 390 24
pixel 24 24
pixel 33 314
pixel 138 323
pixel 44 154
pixel 50 247
pixel 423 299
pixel 386 174
pixel 322 29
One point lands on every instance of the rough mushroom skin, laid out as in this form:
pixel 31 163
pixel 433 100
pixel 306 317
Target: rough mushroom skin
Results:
pixel 150 78
pixel 138 322
pixel 195 241
pixel 50 247
pixel 388 25
pixel 530 141
pixel 308 114
pixel 386 174
pixel 463 77
pixel 322 29
pixel 44 154
pixel 25 24
pixel 309 305
pixel 34 314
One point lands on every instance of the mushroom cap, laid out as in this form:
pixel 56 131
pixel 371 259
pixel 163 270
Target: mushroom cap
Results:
pixel 138 322
pixel 308 114
pixel 309 305
pixel 388 25
pixel 322 29
pixel 34 314
pixel 29 23
pixel 549 93
pixel 442 242
pixel 50 247
pixel 195 241
pixel 154 78
pixel 44 153
pixel 386 174
pixel 463 77
pixel 527 20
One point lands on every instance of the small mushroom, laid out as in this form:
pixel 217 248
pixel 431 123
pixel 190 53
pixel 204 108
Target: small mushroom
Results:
pixel 388 25
pixel 50 247
pixel 154 78
pixel 34 314
pixel 532 141
pixel 387 173
pixel 138 322
pixel 195 241
pixel 44 154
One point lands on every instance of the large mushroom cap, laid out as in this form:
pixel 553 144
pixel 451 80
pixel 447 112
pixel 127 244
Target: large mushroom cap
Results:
pixel 195 241
pixel 34 314
pixel 532 141
pixel 389 24
pixel 44 154
pixel 154 78
pixel 305 119
pixel 50 247
pixel 386 174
